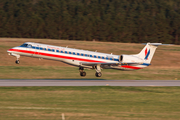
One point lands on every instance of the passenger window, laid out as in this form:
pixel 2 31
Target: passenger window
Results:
pixel 102 57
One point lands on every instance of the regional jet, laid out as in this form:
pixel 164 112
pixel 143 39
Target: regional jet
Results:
pixel 86 59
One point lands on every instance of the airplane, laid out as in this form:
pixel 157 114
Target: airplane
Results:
pixel 86 59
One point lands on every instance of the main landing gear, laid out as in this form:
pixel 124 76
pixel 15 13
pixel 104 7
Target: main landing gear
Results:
pixel 97 74
pixel 98 71
pixel 82 73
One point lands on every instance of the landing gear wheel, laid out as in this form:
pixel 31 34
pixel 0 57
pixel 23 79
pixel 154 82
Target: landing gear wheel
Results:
pixel 17 61
pixel 81 68
pixel 98 74
pixel 82 74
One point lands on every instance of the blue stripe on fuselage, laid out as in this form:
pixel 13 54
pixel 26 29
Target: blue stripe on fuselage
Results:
pixel 146 64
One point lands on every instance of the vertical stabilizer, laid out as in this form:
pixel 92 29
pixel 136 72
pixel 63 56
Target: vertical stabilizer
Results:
pixel 148 51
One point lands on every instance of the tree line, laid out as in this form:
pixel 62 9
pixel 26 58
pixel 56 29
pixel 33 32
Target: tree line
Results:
pixel 133 21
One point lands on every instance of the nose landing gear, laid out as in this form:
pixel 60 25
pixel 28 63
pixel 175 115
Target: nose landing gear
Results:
pixel 17 56
pixel 17 61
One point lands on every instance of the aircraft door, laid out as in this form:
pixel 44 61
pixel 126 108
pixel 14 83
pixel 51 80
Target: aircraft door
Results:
pixel 29 49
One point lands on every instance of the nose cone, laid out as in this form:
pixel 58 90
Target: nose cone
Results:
pixel 10 50
pixel 13 50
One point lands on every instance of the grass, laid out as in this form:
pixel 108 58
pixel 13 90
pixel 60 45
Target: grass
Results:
pixel 90 103
pixel 52 72
pixel 165 63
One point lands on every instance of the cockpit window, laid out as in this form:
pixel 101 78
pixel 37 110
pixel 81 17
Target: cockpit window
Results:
pixel 24 45
pixel 29 46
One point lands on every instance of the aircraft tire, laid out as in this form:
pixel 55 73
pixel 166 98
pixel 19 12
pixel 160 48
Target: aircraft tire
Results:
pixel 83 74
pixel 17 61
pixel 98 74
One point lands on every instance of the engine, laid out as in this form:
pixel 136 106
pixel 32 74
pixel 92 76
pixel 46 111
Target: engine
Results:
pixel 130 58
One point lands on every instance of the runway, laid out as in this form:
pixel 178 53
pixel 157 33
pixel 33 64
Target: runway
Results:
pixel 85 82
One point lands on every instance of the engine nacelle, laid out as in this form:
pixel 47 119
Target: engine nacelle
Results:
pixel 130 58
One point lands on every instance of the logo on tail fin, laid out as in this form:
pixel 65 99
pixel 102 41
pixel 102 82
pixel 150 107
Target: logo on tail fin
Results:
pixel 147 54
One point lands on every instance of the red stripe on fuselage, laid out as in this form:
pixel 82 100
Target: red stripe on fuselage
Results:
pixel 131 67
pixel 53 55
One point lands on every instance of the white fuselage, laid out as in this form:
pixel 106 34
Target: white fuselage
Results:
pixel 70 56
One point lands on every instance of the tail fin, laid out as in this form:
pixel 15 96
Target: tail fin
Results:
pixel 148 51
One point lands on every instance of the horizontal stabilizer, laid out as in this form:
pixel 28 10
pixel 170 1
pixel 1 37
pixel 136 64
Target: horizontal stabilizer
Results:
pixel 156 44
